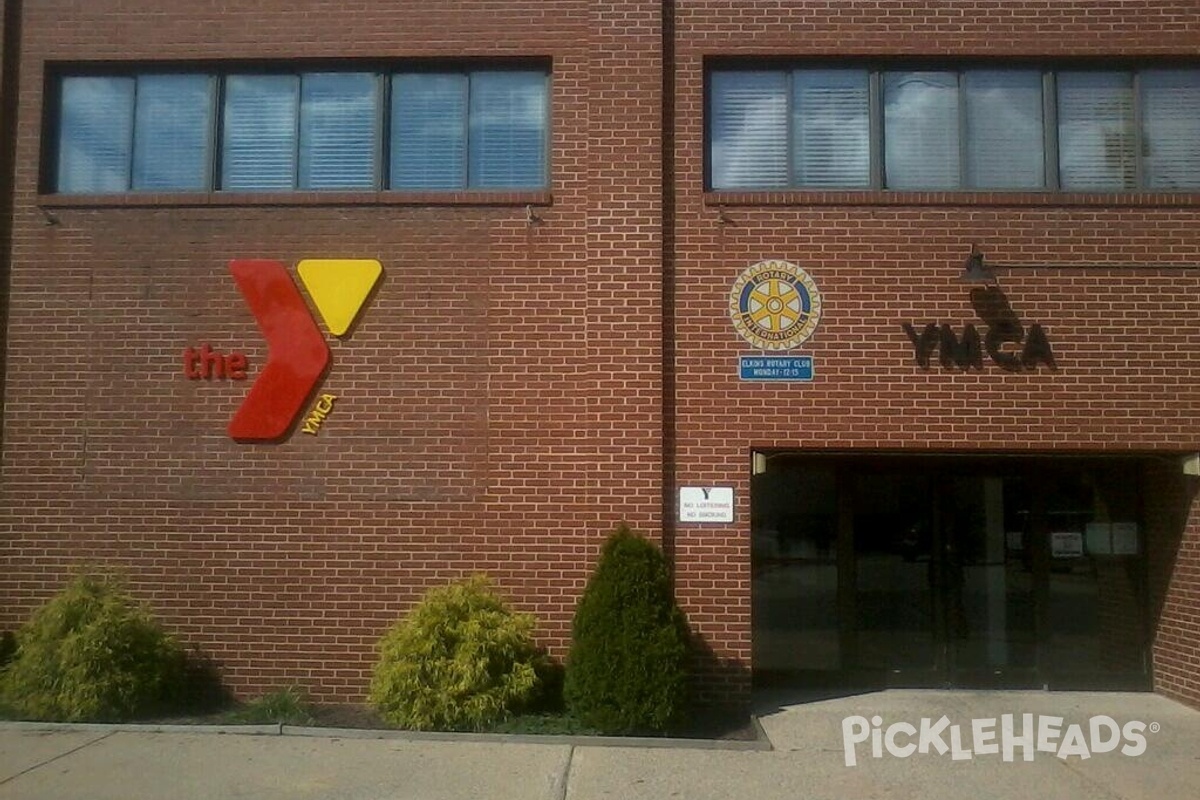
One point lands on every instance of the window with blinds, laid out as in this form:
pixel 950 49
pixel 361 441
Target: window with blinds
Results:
pixel 267 132
pixel 95 135
pixel 920 130
pixel 1095 131
pixel 507 130
pixel 749 130
pixel 1019 129
pixel 260 135
pixel 1004 129
pixel 172 132
pixel 831 128
pixel 478 130
pixel 339 124
pixel 429 131
pixel 1171 129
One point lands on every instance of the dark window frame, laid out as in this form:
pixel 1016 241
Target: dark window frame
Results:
pixel 383 72
pixel 876 70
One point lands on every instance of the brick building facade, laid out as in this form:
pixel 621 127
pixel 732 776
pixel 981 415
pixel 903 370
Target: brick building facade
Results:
pixel 540 363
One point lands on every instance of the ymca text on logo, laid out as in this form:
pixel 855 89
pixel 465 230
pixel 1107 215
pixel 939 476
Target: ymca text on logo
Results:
pixel 985 737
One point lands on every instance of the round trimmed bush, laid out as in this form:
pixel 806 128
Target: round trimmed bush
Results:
pixel 627 668
pixel 92 653
pixel 460 660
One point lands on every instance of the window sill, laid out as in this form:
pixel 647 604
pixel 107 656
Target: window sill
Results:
pixel 943 198
pixel 223 199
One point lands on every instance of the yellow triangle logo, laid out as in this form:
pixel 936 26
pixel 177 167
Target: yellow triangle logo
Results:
pixel 339 287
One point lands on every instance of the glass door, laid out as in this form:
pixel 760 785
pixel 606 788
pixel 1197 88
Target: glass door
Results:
pixel 794 564
pixel 944 578
pixel 988 591
pixel 898 614
pixel 951 571
pixel 1095 628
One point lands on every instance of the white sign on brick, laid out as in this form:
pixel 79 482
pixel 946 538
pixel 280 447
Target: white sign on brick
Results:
pixel 699 504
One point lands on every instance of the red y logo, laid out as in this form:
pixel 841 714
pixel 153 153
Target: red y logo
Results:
pixel 296 351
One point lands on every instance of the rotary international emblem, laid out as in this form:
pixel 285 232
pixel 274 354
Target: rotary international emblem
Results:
pixel 775 305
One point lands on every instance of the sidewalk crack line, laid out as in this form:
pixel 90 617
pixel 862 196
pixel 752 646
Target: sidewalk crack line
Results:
pixel 558 789
pixel 73 750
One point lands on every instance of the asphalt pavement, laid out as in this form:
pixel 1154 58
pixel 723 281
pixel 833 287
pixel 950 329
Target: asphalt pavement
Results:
pixel 896 744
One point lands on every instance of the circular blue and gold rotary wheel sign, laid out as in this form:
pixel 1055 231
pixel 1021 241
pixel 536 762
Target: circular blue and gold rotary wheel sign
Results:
pixel 775 305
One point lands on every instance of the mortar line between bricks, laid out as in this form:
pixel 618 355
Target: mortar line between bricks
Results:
pixel 558 790
pixel 72 751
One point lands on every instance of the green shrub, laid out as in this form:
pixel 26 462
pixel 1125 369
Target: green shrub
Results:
pixel 460 660
pixel 627 668
pixel 92 653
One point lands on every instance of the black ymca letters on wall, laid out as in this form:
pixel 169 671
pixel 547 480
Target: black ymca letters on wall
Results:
pixel 1026 351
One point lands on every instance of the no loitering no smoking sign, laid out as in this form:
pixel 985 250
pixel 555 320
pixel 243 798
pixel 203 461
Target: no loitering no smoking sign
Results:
pixel 706 504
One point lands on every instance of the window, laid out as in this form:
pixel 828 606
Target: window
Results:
pixel 172 132
pixel 1095 131
pixel 831 128
pixel 302 131
pixel 482 130
pixel 920 123
pixel 973 129
pixel 110 143
pixel 750 130
pixel 311 131
pixel 1171 120
pixel 1004 129
pixel 260 132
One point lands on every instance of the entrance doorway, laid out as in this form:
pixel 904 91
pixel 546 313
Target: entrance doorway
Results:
pixel 949 571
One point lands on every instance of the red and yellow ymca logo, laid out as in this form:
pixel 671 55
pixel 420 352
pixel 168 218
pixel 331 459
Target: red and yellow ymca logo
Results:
pixel 297 355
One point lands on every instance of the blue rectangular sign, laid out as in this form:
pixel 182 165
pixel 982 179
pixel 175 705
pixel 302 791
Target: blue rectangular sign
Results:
pixel 775 368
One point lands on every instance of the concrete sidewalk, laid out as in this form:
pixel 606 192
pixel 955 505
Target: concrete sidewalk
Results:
pixel 808 759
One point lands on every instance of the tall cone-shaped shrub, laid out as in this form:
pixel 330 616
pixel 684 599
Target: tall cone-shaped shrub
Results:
pixel 627 667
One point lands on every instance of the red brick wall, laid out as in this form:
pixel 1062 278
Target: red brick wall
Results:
pixel 8 29
pixel 501 403
pixel 1127 350
pixel 498 403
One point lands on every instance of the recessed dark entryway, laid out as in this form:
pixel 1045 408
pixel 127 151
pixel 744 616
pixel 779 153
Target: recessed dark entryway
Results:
pixel 980 571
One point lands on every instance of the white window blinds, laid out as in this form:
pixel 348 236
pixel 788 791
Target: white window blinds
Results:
pixel 749 130
pixel 920 123
pixel 338 123
pixel 831 128
pixel 508 130
pixel 1171 128
pixel 429 131
pixel 1095 131
pixel 260 132
pixel 173 133
pixel 1004 129
pixel 95 134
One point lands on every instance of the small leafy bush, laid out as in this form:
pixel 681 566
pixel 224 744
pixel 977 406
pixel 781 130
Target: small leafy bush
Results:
pixel 460 660
pixel 92 653
pixel 627 667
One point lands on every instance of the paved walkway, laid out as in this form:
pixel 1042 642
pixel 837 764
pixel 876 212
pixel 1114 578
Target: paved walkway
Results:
pixel 807 759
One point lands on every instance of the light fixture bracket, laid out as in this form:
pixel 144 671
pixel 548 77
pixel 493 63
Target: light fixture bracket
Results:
pixel 975 270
